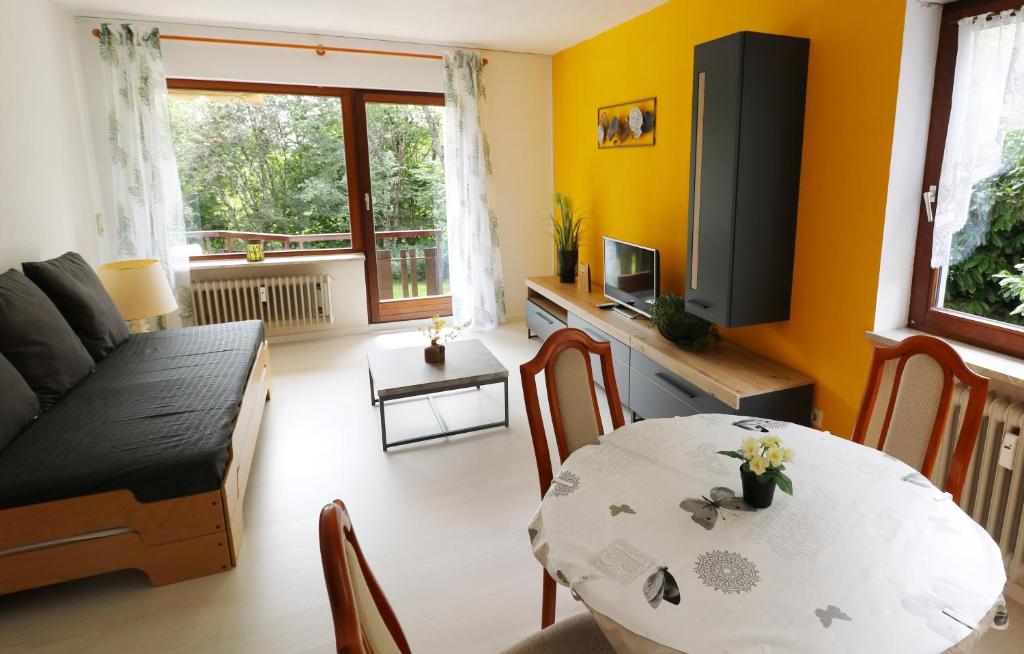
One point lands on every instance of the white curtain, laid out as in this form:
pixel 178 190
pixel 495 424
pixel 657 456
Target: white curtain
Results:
pixel 988 104
pixel 474 259
pixel 146 191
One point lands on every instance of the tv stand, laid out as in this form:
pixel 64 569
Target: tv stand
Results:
pixel 657 378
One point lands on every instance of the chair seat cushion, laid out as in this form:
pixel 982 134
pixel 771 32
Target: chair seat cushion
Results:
pixel 576 635
pixel 73 286
pixel 37 340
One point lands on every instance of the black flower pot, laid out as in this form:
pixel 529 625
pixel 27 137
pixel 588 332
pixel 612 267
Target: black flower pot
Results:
pixel 567 260
pixel 758 493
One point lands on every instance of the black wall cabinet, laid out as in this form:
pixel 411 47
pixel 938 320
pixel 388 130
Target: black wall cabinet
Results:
pixel 748 122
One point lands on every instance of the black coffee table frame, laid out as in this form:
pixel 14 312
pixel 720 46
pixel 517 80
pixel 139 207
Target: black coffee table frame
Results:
pixel 445 432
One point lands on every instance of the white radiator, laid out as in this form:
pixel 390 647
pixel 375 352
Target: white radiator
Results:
pixel 993 494
pixel 285 303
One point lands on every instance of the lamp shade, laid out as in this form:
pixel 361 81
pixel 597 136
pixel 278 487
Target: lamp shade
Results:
pixel 138 288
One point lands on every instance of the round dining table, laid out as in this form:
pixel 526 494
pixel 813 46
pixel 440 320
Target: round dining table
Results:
pixel 866 555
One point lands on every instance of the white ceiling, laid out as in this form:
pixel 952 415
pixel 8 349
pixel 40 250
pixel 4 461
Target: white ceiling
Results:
pixel 538 26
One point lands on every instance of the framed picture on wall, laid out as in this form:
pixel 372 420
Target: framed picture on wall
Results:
pixel 630 124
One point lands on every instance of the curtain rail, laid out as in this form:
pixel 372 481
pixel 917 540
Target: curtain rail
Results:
pixel 320 50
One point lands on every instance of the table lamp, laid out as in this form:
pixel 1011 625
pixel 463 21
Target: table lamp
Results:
pixel 139 289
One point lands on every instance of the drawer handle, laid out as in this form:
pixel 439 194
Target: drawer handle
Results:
pixel 674 384
pixel 544 317
pixel 699 303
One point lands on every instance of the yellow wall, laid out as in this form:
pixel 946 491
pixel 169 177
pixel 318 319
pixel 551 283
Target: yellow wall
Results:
pixel 641 194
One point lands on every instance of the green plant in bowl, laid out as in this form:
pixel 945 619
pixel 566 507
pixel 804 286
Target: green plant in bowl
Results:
pixel 690 332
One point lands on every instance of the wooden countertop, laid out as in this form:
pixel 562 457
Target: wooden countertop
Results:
pixel 726 370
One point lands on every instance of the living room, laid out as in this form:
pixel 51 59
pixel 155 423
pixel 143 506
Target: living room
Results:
pixel 420 258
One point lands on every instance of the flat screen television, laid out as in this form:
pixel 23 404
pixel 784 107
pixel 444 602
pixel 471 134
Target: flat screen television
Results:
pixel 630 274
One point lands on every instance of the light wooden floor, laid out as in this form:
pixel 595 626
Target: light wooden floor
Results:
pixel 443 525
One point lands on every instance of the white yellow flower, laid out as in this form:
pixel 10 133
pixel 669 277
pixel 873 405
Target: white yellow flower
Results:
pixel 771 440
pixel 758 465
pixel 775 456
pixel 750 448
pixel 787 454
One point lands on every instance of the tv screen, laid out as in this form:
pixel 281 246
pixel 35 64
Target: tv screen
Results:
pixel 630 274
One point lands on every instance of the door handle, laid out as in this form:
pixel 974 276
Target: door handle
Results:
pixel 674 384
pixel 698 170
pixel 366 201
pixel 929 202
pixel 702 305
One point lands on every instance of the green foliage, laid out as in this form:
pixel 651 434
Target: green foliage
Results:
pixel 1011 285
pixel 276 163
pixel 692 333
pixel 567 223
pixel 981 284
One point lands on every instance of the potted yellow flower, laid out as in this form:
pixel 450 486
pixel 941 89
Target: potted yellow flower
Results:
pixel 763 460
pixel 439 332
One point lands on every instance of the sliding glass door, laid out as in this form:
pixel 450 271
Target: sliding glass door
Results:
pixel 403 196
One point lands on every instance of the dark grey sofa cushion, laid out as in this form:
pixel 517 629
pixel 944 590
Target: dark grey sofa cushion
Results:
pixel 37 340
pixel 71 284
pixel 18 404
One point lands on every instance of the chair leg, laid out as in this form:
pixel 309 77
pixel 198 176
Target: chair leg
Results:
pixel 547 610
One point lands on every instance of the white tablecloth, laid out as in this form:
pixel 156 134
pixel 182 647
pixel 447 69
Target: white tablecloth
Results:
pixel 867 556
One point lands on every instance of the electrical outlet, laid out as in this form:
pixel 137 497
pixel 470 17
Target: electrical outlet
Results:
pixel 816 417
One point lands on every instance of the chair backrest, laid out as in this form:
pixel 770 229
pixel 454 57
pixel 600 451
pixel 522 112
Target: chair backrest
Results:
pixel 364 622
pixel 917 408
pixel 572 398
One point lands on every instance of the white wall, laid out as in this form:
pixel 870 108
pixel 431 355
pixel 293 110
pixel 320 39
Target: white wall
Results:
pixel 46 201
pixel 519 95
pixel 906 169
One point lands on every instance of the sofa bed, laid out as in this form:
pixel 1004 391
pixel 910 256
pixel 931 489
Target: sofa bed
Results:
pixel 119 450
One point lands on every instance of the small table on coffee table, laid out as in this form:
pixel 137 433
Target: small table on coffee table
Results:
pixel 402 373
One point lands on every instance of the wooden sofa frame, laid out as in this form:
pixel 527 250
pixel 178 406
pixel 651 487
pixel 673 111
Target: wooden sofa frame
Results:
pixel 169 540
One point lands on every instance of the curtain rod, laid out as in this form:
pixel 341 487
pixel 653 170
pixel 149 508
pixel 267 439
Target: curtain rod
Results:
pixel 320 50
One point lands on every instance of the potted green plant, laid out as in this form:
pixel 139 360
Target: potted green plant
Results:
pixel 690 332
pixel 764 460
pixel 568 230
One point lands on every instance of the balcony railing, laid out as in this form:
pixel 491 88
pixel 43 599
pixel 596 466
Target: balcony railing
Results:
pixel 400 270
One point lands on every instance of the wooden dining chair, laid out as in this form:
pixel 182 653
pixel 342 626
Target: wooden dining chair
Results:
pixel 917 406
pixel 572 399
pixel 364 622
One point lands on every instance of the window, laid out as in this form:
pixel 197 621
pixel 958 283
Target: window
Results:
pixel 261 166
pixel 966 282
pixel 314 170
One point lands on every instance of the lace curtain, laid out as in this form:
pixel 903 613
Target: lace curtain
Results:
pixel 988 106
pixel 474 258
pixel 150 223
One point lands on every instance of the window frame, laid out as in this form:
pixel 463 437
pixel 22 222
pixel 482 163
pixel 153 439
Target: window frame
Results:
pixel 924 315
pixel 353 169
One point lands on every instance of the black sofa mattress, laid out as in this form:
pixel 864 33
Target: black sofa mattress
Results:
pixel 155 418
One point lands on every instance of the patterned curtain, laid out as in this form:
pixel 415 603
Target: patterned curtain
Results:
pixel 146 190
pixel 478 291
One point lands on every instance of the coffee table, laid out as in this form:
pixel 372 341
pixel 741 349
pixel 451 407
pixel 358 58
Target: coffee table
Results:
pixel 402 373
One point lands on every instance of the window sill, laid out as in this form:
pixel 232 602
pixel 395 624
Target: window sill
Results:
pixel 994 365
pixel 270 262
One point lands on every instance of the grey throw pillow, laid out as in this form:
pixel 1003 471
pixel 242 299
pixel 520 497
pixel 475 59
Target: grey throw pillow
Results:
pixel 73 286
pixel 18 404
pixel 37 340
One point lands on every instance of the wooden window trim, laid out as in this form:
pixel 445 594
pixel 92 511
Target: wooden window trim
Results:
pixel 345 96
pixel 924 315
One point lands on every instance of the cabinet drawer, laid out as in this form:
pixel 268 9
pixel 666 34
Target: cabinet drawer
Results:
pixel 676 386
pixel 620 350
pixel 540 322
pixel 649 400
pixel 621 369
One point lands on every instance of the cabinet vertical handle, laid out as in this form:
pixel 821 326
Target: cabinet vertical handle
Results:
pixel 698 168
